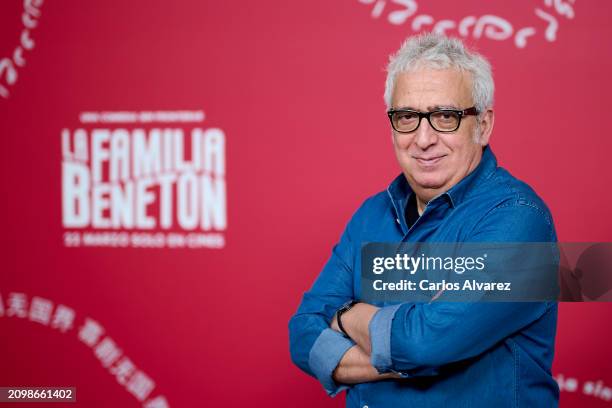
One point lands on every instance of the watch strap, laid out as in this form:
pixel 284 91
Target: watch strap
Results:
pixel 343 309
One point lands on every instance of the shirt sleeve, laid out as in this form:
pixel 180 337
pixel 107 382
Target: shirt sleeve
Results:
pixel 417 338
pixel 314 347
pixel 325 355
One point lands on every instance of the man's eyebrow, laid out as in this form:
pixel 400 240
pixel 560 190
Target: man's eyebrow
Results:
pixel 429 108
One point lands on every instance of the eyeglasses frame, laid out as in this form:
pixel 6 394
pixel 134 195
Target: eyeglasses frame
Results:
pixel 461 113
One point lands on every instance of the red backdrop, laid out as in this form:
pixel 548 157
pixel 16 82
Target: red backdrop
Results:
pixel 295 89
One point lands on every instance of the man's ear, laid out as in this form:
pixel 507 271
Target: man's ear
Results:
pixel 487 120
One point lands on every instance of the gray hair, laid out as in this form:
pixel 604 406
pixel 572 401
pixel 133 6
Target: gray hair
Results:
pixel 439 52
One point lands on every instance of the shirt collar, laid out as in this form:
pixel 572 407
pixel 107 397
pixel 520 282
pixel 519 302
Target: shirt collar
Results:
pixel 399 189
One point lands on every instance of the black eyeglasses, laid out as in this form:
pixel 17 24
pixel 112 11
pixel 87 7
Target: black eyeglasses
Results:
pixel 441 120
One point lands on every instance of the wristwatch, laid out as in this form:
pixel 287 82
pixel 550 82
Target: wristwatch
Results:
pixel 343 309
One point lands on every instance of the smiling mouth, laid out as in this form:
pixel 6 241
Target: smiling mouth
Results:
pixel 429 161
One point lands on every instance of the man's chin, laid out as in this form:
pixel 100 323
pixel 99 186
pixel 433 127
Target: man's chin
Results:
pixel 428 183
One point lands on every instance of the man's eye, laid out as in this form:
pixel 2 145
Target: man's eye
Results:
pixel 406 117
pixel 446 116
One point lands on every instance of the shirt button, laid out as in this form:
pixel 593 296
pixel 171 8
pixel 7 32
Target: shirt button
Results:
pixel 365 406
pixel 396 220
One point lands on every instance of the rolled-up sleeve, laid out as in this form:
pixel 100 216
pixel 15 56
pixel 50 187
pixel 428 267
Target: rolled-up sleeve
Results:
pixel 380 337
pixel 325 355
pixel 424 337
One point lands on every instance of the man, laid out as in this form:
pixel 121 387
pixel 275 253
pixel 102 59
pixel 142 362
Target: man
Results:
pixel 440 98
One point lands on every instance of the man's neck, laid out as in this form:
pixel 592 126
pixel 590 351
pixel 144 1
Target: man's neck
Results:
pixel 421 205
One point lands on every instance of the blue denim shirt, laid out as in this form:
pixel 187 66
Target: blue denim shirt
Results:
pixel 451 354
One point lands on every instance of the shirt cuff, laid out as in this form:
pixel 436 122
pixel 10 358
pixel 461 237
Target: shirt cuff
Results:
pixel 380 338
pixel 324 357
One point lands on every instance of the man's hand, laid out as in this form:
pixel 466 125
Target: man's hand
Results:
pixel 355 368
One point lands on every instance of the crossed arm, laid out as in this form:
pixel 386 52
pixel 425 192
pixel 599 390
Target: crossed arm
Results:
pixel 414 339
pixel 355 366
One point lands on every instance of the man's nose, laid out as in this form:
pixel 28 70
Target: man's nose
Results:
pixel 425 135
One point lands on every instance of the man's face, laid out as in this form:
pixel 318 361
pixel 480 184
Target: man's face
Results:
pixel 434 161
